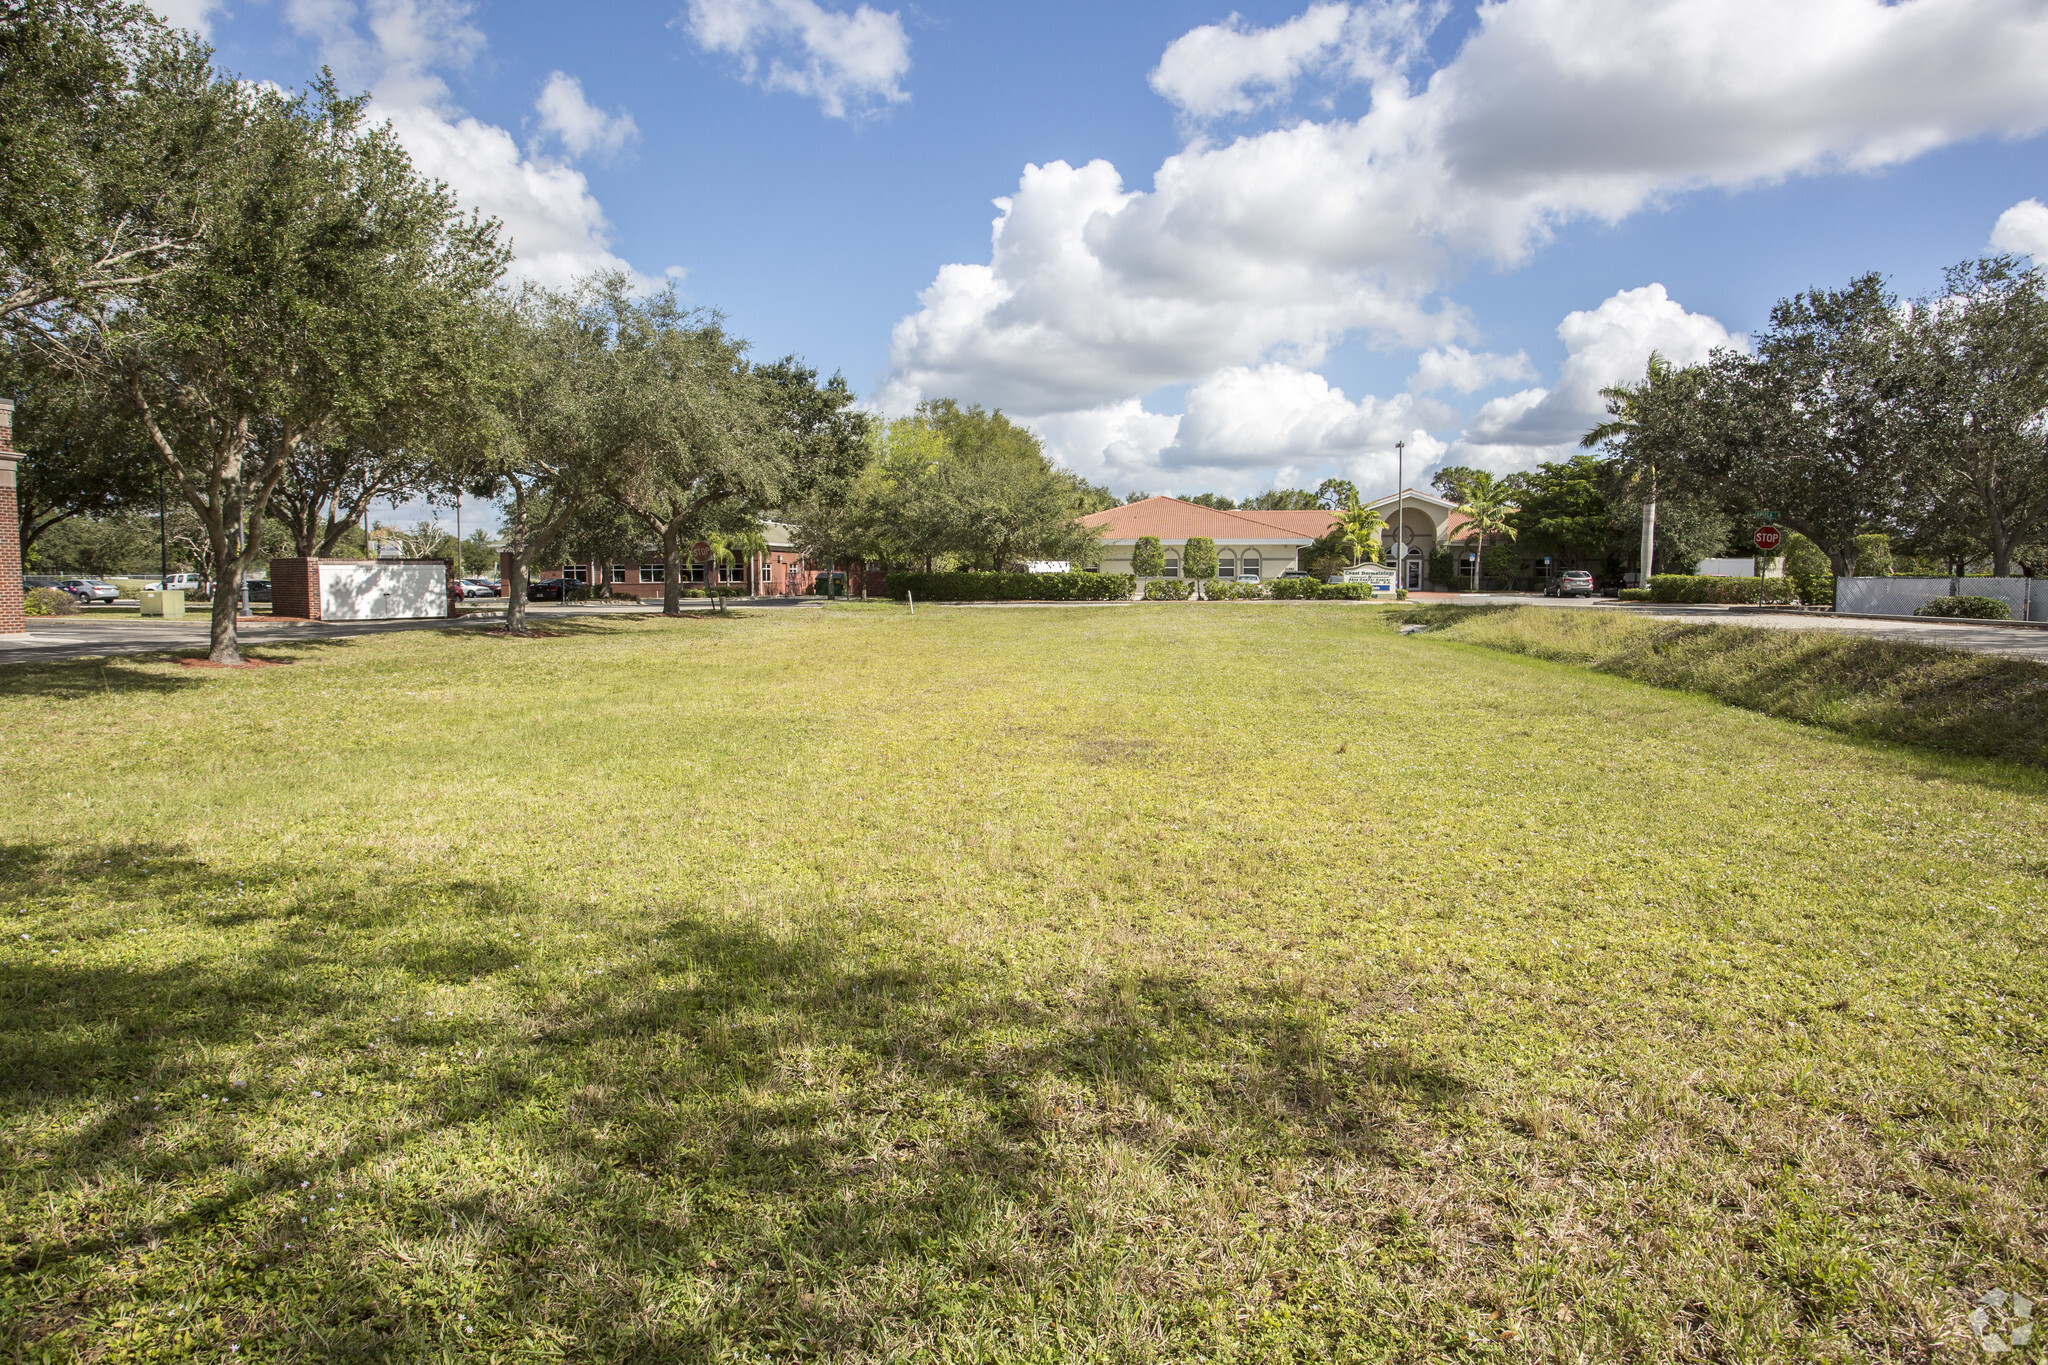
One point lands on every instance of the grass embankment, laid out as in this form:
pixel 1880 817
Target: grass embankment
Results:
pixel 1135 984
pixel 1965 703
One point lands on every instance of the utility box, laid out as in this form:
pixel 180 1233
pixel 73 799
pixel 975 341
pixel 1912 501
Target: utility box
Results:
pixel 168 603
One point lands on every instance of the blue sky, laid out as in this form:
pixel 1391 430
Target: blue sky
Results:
pixel 1258 247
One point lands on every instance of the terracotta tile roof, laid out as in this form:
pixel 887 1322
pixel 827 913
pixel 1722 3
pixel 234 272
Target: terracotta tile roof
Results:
pixel 1171 519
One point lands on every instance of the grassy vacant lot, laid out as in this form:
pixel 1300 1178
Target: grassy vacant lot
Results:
pixel 1167 983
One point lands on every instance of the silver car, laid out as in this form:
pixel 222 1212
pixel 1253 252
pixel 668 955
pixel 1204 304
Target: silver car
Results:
pixel 90 589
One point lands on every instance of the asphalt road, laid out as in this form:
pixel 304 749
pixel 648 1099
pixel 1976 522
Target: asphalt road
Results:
pixel 71 637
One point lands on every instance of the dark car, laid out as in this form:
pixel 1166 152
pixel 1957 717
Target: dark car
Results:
pixel 550 590
pixel 259 589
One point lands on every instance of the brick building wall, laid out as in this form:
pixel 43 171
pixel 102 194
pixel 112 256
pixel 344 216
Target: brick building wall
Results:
pixel 12 622
pixel 778 573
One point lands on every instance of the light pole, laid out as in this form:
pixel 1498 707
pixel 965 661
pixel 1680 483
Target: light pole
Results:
pixel 1400 513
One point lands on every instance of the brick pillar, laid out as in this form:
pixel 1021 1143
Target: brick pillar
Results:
pixel 12 622
pixel 295 588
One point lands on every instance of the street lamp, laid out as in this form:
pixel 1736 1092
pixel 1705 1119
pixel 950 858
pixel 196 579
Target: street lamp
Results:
pixel 1400 514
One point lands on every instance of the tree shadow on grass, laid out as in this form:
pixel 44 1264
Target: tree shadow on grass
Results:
pixel 779 1137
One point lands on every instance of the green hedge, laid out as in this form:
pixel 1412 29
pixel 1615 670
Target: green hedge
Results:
pixel 1011 587
pixel 1169 590
pixel 1684 587
pixel 1967 607
pixel 1342 592
pixel 1636 594
pixel 1294 589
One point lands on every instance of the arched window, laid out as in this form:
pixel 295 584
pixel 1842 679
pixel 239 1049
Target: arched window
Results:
pixel 1250 565
pixel 1173 566
pixel 1226 566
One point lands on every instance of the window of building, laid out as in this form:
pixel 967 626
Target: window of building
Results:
pixel 767 573
pixel 1249 566
pixel 1226 565
pixel 576 573
pixel 1173 566
pixel 618 573
pixel 733 572
pixel 692 573
pixel 653 573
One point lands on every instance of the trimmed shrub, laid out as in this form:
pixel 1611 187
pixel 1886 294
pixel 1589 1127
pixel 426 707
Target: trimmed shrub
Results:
pixel 1636 594
pixel 1148 557
pixel 48 602
pixel 1012 587
pixel 1169 590
pixel 1967 607
pixel 1198 558
pixel 1702 588
pixel 1342 592
pixel 1400 594
pixel 1214 590
pixel 1293 589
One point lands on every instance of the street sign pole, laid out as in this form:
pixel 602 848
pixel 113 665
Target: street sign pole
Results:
pixel 1766 539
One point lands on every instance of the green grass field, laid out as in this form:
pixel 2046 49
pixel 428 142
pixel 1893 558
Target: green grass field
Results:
pixel 1167 983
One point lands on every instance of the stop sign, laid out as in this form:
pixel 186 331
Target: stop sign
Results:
pixel 1768 537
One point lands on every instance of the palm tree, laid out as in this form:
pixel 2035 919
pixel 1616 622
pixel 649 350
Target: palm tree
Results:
pixel 1485 510
pixel 1633 411
pixel 1358 534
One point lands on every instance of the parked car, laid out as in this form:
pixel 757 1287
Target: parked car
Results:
pixel 1294 573
pixel 1254 578
pixel 188 582
pixel 1571 583
pixel 478 587
pixel 89 589
pixel 550 590
pixel 259 589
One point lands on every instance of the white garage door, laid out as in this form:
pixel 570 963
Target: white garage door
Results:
pixel 382 592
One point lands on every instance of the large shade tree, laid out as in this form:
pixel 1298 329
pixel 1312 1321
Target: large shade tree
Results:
pixel 317 289
pixel 114 131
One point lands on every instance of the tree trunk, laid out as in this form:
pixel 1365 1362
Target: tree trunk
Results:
pixel 671 570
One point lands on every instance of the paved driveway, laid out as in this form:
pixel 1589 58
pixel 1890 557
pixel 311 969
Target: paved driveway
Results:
pixel 2019 642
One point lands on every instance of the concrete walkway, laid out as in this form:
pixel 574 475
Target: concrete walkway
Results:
pixel 2018 642
pixel 84 636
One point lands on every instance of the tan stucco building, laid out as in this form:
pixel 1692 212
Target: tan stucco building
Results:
pixel 1250 543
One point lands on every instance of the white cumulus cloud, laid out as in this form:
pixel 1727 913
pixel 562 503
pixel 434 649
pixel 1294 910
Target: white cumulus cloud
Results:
pixel 851 64
pixel 196 15
pixel 581 126
pixel 1604 346
pixel 396 49
pixel 2023 230
pixel 1276 245
pixel 1455 368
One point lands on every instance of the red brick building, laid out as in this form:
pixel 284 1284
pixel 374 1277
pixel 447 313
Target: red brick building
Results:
pixel 778 572
pixel 12 621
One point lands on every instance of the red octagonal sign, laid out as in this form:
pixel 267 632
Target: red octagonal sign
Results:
pixel 1769 537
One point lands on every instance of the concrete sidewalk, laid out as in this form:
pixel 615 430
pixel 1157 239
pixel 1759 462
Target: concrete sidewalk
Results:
pixel 1963 635
pixel 76 637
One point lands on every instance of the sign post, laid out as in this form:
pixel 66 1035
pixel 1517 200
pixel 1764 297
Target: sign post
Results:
pixel 1767 538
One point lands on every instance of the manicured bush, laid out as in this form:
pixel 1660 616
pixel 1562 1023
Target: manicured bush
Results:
pixel 1198 558
pixel 1168 590
pixel 48 602
pixel 1012 587
pixel 1703 588
pixel 1148 557
pixel 1635 594
pixel 1400 594
pixel 1293 589
pixel 1344 592
pixel 1968 608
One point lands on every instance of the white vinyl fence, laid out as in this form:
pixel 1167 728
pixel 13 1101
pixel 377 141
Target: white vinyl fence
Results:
pixel 1904 596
